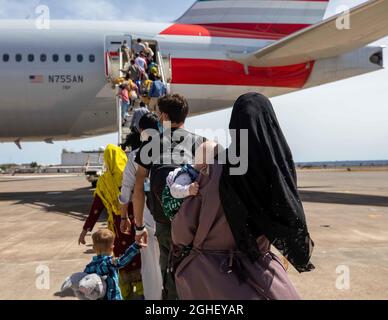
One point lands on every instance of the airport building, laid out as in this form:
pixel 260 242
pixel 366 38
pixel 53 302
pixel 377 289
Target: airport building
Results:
pixel 83 158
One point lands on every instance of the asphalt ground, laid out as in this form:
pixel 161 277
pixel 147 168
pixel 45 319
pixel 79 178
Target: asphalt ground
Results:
pixel 347 213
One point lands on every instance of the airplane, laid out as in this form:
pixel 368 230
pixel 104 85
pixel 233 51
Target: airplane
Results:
pixel 55 83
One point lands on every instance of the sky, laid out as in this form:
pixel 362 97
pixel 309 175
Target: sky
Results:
pixel 345 120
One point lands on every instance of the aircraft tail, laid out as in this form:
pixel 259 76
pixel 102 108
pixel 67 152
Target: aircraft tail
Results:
pixel 264 19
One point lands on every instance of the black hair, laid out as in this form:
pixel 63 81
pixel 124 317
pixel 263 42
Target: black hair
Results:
pixel 138 40
pixel 149 121
pixel 142 104
pixel 175 106
pixel 132 140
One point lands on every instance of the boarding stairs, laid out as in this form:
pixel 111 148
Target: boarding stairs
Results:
pixel 114 75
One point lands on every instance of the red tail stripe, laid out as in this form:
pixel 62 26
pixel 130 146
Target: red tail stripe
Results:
pixel 267 31
pixel 106 57
pixel 224 72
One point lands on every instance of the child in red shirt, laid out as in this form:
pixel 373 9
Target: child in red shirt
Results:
pixel 124 100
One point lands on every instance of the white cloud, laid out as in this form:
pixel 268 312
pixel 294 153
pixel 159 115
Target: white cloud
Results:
pixel 68 9
pixel 17 9
pixel 134 10
pixel 88 10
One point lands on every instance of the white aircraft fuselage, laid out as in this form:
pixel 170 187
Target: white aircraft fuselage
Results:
pixel 45 99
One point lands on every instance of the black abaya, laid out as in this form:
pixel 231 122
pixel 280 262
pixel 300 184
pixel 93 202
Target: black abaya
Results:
pixel 265 200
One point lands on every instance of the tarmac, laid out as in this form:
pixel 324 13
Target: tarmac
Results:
pixel 347 213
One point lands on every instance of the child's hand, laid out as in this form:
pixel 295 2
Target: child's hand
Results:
pixel 194 189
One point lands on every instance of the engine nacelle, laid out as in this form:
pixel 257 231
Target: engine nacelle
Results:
pixel 358 62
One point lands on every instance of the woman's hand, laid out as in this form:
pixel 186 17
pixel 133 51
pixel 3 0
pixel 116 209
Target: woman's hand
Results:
pixel 81 239
pixel 141 244
pixel 124 210
pixel 194 189
pixel 125 225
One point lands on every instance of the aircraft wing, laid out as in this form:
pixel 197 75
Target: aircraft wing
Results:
pixel 368 22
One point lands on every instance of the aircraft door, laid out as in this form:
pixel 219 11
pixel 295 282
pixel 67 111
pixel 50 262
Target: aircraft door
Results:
pixel 114 60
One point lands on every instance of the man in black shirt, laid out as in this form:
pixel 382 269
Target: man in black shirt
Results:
pixel 156 158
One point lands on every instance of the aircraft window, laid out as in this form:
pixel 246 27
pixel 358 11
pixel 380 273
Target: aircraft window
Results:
pixel 18 57
pixel 43 57
pixel 80 58
pixel 30 58
pixel 92 58
pixel 67 57
pixel 55 57
pixel 5 57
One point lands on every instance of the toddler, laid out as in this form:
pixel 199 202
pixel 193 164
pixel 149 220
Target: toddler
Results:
pixel 104 264
pixel 181 183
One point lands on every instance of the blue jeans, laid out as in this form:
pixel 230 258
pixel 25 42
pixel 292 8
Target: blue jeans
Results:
pixel 124 109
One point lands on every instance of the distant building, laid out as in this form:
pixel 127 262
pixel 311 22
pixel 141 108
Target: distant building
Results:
pixel 342 164
pixel 83 158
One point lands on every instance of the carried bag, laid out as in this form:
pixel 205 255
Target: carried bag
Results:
pixel 176 256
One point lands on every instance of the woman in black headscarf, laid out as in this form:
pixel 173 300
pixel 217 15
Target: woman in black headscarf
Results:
pixel 264 200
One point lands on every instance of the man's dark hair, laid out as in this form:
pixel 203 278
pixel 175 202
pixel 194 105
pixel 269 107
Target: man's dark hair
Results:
pixel 142 104
pixel 132 61
pixel 149 121
pixel 175 106
pixel 138 40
